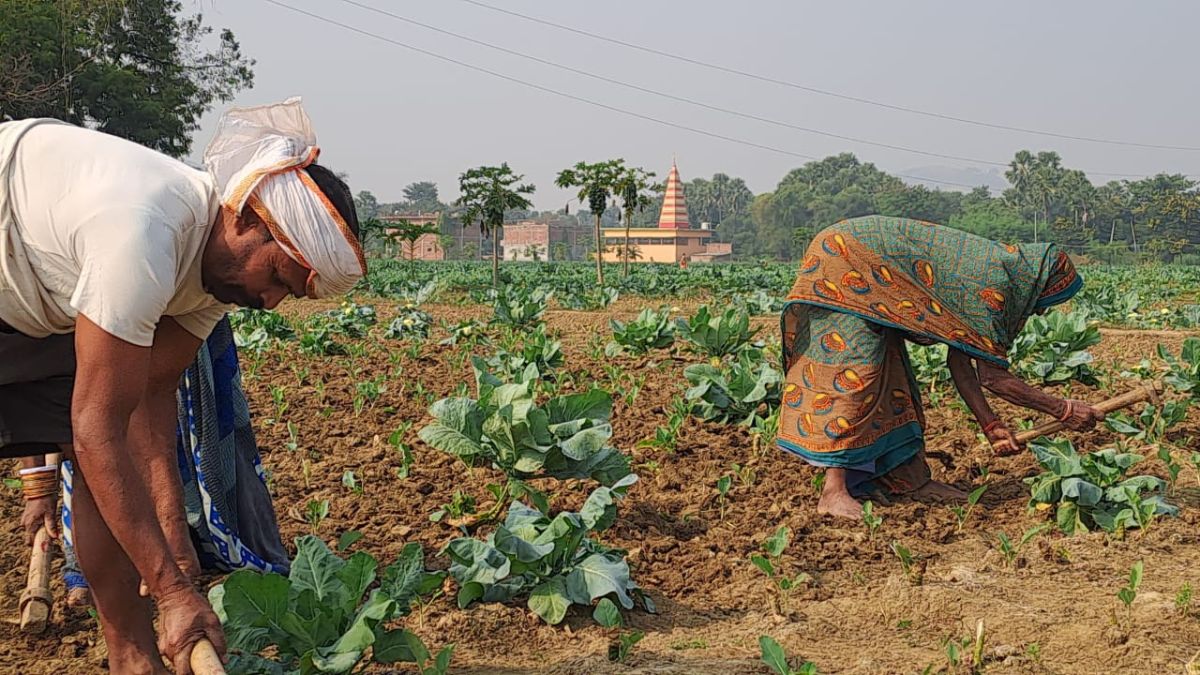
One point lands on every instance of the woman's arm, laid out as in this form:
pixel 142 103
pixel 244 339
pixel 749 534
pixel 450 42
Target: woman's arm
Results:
pixel 967 381
pixel 1077 415
pixel 40 510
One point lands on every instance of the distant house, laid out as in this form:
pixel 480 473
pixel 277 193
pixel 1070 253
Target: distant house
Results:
pixel 547 238
pixel 427 246
pixel 673 240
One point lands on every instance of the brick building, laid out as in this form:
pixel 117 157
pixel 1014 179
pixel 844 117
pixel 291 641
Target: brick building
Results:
pixel 464 242
pixel 551 238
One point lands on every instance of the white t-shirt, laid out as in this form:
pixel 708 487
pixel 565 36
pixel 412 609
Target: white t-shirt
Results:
pixel 97 225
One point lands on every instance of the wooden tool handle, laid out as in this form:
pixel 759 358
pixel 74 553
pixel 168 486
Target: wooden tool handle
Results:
pixel 205 660
pixel 35 601
pixel 1148 392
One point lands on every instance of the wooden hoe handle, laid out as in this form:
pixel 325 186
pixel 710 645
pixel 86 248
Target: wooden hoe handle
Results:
pixel 205 660
pixel 1148 392
pixel 36 599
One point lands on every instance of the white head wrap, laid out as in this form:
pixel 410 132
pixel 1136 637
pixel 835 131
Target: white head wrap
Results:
pixel 257 158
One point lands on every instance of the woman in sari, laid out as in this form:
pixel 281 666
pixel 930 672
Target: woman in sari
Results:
pixel 851 403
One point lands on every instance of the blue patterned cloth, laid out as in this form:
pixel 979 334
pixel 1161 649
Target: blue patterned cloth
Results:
pixel 229 508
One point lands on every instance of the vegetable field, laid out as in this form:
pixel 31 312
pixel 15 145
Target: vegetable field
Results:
pixel 559 478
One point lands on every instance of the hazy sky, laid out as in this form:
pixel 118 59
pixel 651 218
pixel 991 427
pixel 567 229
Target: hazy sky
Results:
pixel 389 116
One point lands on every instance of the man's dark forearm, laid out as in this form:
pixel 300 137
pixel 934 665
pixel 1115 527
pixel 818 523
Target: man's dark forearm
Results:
pixel 125 504
pixel 1014 390
pixel 152 436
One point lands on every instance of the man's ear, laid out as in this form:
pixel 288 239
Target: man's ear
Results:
pixel 248 220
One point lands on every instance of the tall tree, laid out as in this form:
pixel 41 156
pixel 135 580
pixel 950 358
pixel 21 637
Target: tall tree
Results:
pixel 487 193
pixel 366 205
pixel 422 196
pixel 595 182
pixel 636 187
pixel 137 70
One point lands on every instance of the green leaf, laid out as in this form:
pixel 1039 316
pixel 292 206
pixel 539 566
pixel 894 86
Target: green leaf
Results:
pixel 522 550
pixel 468 593
pixel 1068 517
pixel 606 614
pixel 763 564
pixel 392 646
pixel 598 575
pixel 459 427
pixel 335 661
pixel 1058 456
pixel 442 663
pixel 1081 491
pixel 348 539
pixel 774 656
pixel 476 561
pixel 253 664
pixel 360 635
pixel 549 600
pixel 310 624
pixel 587 442
pixel 778 542
pixel 1135 575
pixel 315 567
pixel 407 579
pixel 594 405
pixel 973 498
pixel 1046 488
pixel 599 510
pixel 255 600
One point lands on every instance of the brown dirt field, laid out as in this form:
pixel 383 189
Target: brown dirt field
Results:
pixel 1054 611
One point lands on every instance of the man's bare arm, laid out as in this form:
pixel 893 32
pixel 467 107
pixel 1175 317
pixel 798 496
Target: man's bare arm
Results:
pixel 112 379
pixel 152 436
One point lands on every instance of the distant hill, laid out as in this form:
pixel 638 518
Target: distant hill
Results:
pixel 992 178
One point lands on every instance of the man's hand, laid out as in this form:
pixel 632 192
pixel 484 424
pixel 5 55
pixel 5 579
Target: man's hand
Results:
pixel 185 618
pixel 40 512
pixel 1082 417
pixel 1004 441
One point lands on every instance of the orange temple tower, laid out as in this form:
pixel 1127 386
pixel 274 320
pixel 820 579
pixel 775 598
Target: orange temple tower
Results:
pixel 674 215
pixel 673 240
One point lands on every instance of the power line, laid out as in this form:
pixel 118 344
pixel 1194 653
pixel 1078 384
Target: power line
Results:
pixel 582 99
pixel 672 97
pixel 825 92
pixel 694 102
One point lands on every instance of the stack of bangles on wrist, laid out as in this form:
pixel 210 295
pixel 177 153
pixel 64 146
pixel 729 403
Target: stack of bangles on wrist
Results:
pixel 991 426
pixel 39 481
pixel 1068 410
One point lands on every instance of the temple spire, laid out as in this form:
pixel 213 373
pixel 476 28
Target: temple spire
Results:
pixel 674 214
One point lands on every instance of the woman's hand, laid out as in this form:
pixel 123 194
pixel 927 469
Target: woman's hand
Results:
pixel 1079 416
pixel 40 512
pixel 1004 442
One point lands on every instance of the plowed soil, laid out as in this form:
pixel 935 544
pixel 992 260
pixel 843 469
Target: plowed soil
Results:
pixel 1053 610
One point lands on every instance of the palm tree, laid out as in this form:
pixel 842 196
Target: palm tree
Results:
pixel 487 193
pixel 635 189
pixel 595 183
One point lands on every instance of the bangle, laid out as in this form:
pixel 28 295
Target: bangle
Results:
pixel 39 485
pixel 987 429
pixel 1068 410
pixel 38 469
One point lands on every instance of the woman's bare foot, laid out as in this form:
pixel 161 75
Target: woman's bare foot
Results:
pixel 939 492
pixel 839 505
pixel 79 597
pixel 835 498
